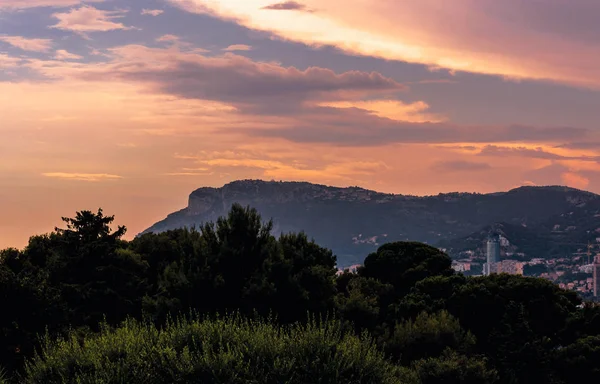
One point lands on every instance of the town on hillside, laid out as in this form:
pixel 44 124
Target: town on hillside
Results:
pixel 579 271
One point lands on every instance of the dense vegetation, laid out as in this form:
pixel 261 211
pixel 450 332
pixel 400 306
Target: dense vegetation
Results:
pixel 230 303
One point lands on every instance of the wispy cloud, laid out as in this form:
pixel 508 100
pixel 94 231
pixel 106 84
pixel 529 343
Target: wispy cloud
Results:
pixel 271 167
pixel 470 36
pixel 168 38
pixel 24 4
pixel 7 61
pixel 189 174
pixel 89 19
pixel 62 54
pixel 575 180
pixel 152 12
pixel 416 112
pixel 233 79
pixel 287 6
pixel 27 44
pixel 460 166
pixel 315 105
pixel 238 47
pixel 537 153
pixel 82 176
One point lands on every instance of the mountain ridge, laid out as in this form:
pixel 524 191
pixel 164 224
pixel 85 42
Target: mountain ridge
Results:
pixel 353 221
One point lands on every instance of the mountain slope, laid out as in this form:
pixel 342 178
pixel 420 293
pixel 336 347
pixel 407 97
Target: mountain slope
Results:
pixel 354 221
pixel 555 237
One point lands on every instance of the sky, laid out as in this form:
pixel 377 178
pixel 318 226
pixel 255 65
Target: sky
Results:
pixel 130 105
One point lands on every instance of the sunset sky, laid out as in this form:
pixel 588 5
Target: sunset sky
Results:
pixel 129 105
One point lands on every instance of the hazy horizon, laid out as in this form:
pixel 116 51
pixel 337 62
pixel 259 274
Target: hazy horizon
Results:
pixel 131 105
pixel 134 231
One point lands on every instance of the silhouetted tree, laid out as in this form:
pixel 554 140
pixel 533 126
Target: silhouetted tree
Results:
pixel 403 264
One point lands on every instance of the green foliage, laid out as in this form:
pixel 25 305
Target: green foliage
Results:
pixel 3 376
pixel 403 264
pixel 517 321
pixel 29 307
pixel 427 336
pixel 236 264
pixel 453 368
pixel 578 362
pixel 225 350
pixel 361 301
pixel 435 326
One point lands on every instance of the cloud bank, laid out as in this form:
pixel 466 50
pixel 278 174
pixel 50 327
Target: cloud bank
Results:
pixel 509 38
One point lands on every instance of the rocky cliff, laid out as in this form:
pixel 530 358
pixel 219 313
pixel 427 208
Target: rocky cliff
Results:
pixel 354 221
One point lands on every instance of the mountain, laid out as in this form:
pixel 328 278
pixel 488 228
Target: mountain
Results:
pixel 354 221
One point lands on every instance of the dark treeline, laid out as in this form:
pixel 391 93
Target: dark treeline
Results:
pixel 230 303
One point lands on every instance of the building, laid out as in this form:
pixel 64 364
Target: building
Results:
pixel 512 267
pixel 461 266
pixel 596 276
pixel 493 256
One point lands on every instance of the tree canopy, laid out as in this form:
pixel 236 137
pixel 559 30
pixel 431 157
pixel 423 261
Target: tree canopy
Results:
pixel 73 297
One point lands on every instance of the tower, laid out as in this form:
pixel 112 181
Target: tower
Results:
pixel 493 255
pixel 596 274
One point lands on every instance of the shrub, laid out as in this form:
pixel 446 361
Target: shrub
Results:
pixel 223 350
pixel 451 368
pixel 427 336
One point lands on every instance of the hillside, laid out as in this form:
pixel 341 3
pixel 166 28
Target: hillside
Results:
pixel 354 221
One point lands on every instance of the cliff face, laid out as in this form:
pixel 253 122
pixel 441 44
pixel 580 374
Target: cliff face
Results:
pixel 354 221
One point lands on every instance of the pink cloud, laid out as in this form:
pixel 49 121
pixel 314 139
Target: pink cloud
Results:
pixel 510 38
pixel 24 4
pixel 89 19
pixel 315 105
pixel 238 47
pixel 8 61
pixel 229 78
pixel 61 54
pixel 26 44
pixel 152 12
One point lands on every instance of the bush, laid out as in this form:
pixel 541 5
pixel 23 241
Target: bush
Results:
pixel 3 376
pixel 453 368
pixel 223 350
pixel 428 336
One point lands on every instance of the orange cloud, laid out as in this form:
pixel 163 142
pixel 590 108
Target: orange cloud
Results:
pixel 230 78
pixel 284 169
pixel 315 105
pixel 392 109
pixel 132 112
pixel 574 180
pixel 508 38
pixel 82 176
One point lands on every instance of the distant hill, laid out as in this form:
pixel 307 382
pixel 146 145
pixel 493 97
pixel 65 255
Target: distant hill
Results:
pixel 538 221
